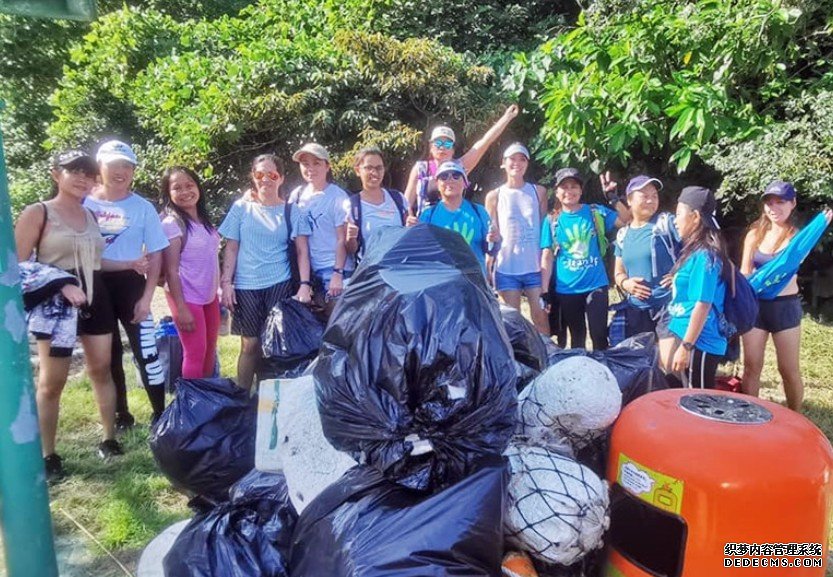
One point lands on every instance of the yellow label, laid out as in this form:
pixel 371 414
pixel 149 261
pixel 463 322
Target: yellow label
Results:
pixel 659 490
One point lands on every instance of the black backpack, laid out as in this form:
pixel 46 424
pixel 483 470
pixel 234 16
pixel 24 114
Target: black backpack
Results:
pixel 290 243
pixel 356 214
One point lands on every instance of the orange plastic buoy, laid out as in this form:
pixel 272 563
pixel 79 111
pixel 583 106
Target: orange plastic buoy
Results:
pixel 703 483
pixel 518 564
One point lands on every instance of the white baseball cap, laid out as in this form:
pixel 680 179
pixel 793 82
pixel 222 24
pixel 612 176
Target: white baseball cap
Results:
pixel 515 148
pixel 443 132
pixel 314 149
pixel 113 150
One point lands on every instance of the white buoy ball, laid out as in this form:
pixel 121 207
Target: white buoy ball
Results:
pixel 558 509
pixel 575 401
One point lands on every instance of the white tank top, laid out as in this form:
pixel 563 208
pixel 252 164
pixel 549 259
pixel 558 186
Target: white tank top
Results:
pixel 519 221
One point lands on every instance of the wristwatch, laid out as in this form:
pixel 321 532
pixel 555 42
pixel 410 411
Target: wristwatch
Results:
pixel 305 282
pixel 339 271
pixel 688 346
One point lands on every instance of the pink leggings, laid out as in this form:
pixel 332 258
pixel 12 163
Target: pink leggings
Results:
pixel 199 346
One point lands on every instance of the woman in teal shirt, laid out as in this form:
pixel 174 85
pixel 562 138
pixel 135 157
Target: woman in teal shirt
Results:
pixel 699 287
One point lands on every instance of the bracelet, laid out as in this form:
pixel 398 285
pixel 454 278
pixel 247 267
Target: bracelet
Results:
pixel 305 282
pixel 339 271
pixel 226 281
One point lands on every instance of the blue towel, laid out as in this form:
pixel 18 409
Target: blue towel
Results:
pixel 769 280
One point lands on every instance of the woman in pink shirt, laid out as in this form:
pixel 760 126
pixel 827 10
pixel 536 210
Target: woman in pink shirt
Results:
pixel 192 270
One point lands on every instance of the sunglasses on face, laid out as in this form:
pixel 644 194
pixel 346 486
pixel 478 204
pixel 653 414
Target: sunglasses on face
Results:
pixel 271 175
pixel 450 175
pixel 443 143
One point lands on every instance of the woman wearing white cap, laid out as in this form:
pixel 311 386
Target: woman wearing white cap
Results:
pixel 324 209
pixel 422 190
pixel 779 315
pixel 517 208
pixel 646 250
pixel 132 260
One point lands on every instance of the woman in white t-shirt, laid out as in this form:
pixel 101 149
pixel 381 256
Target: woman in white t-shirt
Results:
pixel 373 207
pixel 192 270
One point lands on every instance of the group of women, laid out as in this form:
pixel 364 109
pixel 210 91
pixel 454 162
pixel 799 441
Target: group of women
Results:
pixel 305 244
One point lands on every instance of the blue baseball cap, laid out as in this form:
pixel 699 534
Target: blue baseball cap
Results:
pixel 640 182
pixel 781 189
pixel 453 166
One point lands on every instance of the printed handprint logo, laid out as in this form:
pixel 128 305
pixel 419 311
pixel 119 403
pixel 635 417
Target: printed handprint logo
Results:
pixel 464 230
pixel 578 240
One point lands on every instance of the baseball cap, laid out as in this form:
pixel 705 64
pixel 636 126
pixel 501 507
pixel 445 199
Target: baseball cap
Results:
pixel 641 181
pixel 453 166
pixel 702 200
pixel 115 150
pixel 75 158
pixel 443 132
pixel 314 149
pixel 779 188
pixel 516 148
pixel 565 173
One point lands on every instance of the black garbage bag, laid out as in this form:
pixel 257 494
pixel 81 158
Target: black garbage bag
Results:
pixel 371 527
pixel 634 362
pixel 290 340
pixel 205 439
pixel 249 535
pixel 415 372
pixel 528 346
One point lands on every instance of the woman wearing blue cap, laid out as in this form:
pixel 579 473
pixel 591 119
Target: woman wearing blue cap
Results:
pixel 453 212
pixel 646 250
pixel 700 277
pixel 423 189
pixel 780 316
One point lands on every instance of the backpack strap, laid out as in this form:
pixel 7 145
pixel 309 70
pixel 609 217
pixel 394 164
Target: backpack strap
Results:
pixel 356 215
pixel 287 211
pixel 399 201
pixel 599 225
pixel 42 226
pixel 620 236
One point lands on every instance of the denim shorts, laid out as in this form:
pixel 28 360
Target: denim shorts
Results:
pixel 517 282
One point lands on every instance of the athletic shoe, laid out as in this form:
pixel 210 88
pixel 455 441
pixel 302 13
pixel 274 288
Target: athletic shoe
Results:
pixel 53 465
pixel 109 448
pixel 124 421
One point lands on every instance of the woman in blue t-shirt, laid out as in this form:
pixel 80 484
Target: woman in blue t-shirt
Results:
pixel 578 242
pixel 698 289
pixel 453 212
pixel 646 250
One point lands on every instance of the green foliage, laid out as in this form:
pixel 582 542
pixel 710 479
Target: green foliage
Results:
pixel 798 149
pixel 661 77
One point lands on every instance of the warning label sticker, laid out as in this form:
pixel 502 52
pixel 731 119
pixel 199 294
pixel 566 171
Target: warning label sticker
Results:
pixel 651 486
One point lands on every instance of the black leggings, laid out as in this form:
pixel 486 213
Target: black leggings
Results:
pixel 593 305
pixel 702 369
pixel 125 288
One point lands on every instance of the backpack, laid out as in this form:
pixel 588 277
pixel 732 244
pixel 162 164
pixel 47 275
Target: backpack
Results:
pixel 183 227
pixel 425 198
pixel 598 225
pixel 740 306
pixel 292 254
pixel 356 214
pixel 663 237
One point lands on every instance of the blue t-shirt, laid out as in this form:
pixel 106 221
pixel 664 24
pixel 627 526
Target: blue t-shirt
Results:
pixel 698 280
pixel 634 246
pixel 130 227
pixel 471 221
pixel 580 267
pixel 261 231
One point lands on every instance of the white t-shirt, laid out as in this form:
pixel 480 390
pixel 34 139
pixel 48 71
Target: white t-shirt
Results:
pixel 130 227
pixel 322 212
pixel 375 216
pixel 520 227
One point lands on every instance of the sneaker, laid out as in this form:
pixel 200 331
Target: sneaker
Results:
pixel 53 465
pixel 109 448
pixel 124 421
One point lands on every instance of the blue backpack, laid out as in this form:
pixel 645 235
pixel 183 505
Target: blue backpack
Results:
pixel 740 307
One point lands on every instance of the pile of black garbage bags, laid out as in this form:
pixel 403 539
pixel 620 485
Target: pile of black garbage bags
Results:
pixel 417 377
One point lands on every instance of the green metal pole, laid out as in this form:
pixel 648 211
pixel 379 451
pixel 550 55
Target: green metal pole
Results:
pixel 24 502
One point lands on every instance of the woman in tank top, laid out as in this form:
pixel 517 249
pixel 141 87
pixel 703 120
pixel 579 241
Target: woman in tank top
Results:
pixel 65 235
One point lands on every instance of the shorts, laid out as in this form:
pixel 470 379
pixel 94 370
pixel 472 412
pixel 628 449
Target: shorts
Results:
pixel 779 314
pixel 253 307
pixel 321 280
pixel 649 320
pixel 98 317
pixel 517 282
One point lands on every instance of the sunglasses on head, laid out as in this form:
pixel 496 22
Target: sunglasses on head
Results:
pixel 443 143
pixel 271 175
pixel 451 175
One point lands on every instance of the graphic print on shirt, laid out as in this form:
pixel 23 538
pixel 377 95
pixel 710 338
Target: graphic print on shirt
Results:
pixel 579 236
pixel 464 230
pixel 112 224
pixel 675 309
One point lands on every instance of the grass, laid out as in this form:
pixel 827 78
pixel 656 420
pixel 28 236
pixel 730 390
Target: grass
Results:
pixel 124 504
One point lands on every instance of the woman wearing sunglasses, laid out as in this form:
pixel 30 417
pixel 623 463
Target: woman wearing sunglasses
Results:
pixel 65 235
pixel 422 190
pixel 256 268
pixel 455 213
